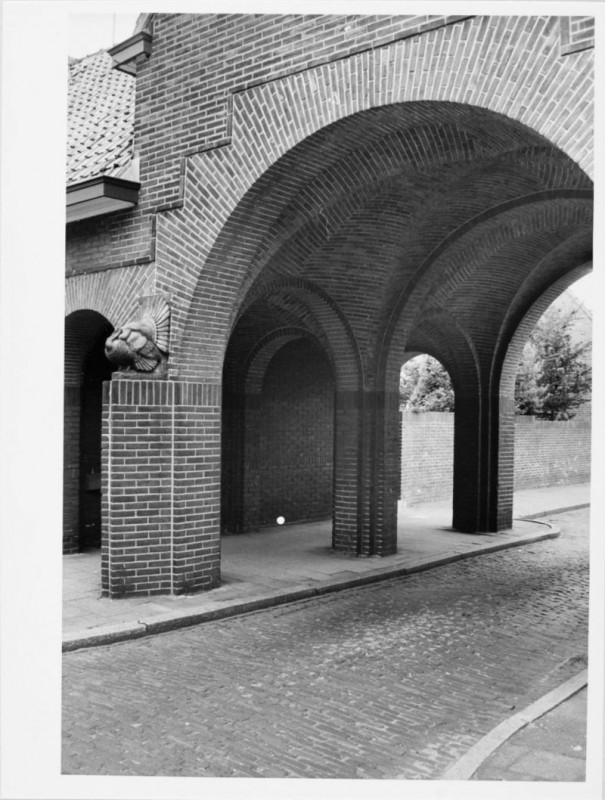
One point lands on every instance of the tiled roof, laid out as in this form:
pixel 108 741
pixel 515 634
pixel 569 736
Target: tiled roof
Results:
pixel 100 118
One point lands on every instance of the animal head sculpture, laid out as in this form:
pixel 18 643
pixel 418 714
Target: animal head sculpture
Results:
pixel 141 345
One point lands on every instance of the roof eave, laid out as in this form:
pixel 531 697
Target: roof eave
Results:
pixel 125 53
pixel 100 196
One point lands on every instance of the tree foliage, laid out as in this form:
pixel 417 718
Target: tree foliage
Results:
pixel 424 385
pixel 553 380
pixel 554 376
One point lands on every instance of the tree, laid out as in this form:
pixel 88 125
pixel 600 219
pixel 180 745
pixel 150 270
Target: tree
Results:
pixel 555 375
pixel 424 385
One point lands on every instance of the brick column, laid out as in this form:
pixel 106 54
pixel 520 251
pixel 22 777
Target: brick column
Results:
pixel 483 463
pixel 250 451
pixel 71 469
pixel 386 463
pixel 348 490
pixel 232 458
pixel 366 472
pixel 161 487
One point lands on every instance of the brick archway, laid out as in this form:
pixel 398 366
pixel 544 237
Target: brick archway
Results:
pixel 425 211
pixel 378 199
pixel 85 370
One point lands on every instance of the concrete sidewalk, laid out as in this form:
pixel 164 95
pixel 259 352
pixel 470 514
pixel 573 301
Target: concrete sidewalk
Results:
pixel 546 741
pixel 550 748
pixel 283 564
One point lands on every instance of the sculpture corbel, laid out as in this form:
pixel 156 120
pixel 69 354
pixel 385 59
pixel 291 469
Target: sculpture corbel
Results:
pixel 141 345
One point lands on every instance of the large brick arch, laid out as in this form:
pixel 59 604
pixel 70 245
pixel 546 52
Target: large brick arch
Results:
pixel 273 120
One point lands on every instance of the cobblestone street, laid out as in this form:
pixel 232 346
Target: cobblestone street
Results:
pixel 397 679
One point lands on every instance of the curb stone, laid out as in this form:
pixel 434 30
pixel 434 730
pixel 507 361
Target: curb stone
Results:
pixel 465 767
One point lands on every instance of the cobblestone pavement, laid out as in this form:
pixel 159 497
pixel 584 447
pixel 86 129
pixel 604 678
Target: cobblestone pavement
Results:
pixel 397 679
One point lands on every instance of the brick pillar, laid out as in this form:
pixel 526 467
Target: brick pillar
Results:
pixel 483 463
pixel 250 451
pixel 386 460
pixel 197 486
pixel 348 491
pixel 506 463
pixel 71 469
pixel 366 474
pixel 232 458
pixel 161 487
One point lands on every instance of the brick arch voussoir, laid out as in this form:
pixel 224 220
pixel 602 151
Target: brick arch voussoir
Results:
pixel 329 92
pixel 409 304
pixel 112 293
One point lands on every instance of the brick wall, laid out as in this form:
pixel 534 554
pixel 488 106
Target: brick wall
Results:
pixel 71 469
pixel 427 456
pixel 296 436
pixel 551 453
pixel 577 34
pixel 546 454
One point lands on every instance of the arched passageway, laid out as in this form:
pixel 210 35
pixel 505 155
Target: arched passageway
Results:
pixel 417 227
pixel 429 227
pixel 427 403
pixel 85 370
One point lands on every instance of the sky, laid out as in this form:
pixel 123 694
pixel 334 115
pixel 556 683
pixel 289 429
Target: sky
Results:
pixel 91 32
pixel 584 290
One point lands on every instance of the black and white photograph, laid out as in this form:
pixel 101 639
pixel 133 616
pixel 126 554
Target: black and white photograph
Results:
pixel 302 391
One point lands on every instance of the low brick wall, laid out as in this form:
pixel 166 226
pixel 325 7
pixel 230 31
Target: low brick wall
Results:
pixel 546 454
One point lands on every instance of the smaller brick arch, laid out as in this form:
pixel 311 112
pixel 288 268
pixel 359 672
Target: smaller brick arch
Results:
pixel 83 328
pixel 427 447
pixel 329 324
pixel 85 370
pixel 264 351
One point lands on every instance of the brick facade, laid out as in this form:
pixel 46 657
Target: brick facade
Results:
pixel 359 187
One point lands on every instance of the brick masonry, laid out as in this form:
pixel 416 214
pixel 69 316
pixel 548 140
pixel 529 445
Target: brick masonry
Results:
pixel 375 184
pixel 546 454
pixel 296 421
pixel 161 487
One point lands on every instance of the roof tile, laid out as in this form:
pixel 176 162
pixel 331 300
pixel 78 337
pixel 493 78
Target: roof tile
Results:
pixel 100 118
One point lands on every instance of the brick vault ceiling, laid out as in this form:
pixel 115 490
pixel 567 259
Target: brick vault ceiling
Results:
pixel 376 204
